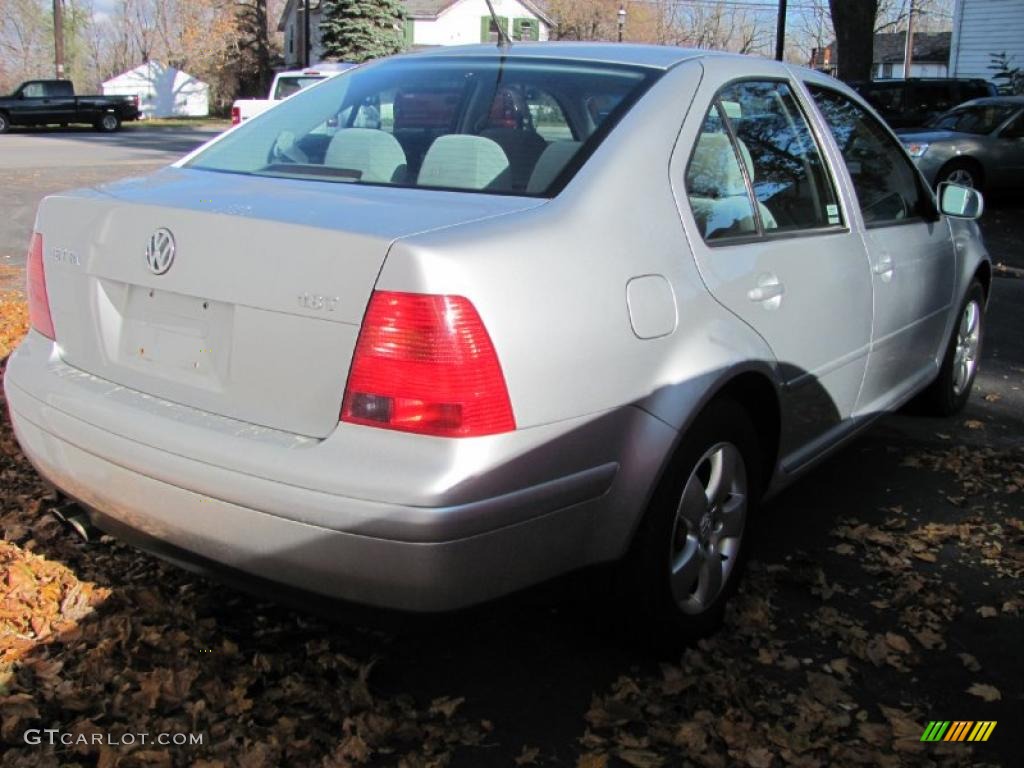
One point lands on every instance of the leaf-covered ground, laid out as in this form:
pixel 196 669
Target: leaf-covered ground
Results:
pixel 886 591
pixel 13 315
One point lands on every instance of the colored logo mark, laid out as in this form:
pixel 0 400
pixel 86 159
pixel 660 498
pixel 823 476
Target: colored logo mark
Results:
pixel 958 730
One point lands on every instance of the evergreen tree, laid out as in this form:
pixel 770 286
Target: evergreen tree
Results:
pixel 357 30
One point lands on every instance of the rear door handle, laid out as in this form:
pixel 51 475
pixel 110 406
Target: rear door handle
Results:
pixel 884 267
pixel 768 292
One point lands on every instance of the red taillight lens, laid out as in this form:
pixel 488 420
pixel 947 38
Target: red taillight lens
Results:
pixel 38 301
pixel 236 115
pixel 426 364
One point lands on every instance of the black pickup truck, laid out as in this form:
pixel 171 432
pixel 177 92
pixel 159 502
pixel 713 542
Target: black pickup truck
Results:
pixel 53 102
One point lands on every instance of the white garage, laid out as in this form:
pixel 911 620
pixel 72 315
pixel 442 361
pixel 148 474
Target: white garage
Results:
pixel 162 91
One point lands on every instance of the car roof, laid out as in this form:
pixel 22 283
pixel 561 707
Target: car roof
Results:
pixel 657 56
pixel 1010 101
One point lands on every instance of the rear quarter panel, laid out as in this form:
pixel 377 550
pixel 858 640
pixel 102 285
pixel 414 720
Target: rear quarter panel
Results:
pixel 551 283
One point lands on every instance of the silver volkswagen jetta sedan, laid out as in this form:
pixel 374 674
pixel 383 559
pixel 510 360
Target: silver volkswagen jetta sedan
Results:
pixel 453 323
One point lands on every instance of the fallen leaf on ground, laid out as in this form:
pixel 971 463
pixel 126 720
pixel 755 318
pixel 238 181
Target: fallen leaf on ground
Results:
pixel 985 691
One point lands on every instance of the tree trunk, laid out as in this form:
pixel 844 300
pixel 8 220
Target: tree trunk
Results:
pixel 854 23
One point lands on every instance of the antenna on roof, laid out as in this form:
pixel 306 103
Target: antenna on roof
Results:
pixel 504 43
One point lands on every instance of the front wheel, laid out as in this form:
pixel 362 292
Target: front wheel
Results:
pixel 963 172
pixel 689 550
pixel 5 123
pixel 949 392
pixel 109 123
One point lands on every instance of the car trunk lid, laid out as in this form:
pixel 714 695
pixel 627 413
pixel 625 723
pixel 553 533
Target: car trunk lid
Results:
pixel 257 313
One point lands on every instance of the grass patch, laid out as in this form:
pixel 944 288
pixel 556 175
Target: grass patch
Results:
pixel 180 122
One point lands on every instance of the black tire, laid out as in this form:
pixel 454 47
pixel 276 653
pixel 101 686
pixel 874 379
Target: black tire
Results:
pixel 108 123
pixel 5 123
pixel 962 171
pixel 947 394
pixel 644 584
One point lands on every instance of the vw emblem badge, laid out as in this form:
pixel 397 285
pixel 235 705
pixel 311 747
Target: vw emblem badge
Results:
pixel 160 251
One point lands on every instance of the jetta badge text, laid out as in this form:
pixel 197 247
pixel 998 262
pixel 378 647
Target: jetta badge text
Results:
pixel 160 251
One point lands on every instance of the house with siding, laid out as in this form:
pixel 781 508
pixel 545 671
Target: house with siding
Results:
pixel 930 59
pixel 888 59
pixel 429 23
pixel 982 28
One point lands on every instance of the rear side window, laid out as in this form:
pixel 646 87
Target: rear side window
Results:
pixel 755 142
pixel 887 99
pixel 888 189
pixel 715 184
pixel 518 126
pixel 933 98
pixel 979 119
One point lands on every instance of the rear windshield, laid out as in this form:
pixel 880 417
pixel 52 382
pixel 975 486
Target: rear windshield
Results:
pixel 286 86
pixel 501 126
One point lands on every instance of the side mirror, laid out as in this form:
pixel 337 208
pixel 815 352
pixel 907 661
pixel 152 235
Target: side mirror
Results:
pixel 960 202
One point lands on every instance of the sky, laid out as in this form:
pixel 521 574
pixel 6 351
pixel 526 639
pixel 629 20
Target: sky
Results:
pixel 101 9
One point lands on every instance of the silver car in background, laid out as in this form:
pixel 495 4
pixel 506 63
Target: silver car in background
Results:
pixel 978 144
pixel 454 323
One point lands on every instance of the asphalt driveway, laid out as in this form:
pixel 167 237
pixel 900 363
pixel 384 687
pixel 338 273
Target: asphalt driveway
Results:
pixel 38 162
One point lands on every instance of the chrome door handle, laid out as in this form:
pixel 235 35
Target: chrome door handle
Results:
pixel 769 291
pixel 884 267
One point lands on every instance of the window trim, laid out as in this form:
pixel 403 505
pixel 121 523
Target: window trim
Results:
pixel 922 183
pixel 763 235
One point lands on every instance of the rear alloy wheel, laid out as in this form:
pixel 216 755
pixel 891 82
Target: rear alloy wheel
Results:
pixel 949 392
pixel 689 550
pixel 109 123
pixel 708 528
pixel 962 172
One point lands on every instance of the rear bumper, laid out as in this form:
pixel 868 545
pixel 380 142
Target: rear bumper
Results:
pixel 121 454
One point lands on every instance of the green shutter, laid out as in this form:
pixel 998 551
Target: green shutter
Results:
pixel 525 30
pixel 408 32
pixel 485 27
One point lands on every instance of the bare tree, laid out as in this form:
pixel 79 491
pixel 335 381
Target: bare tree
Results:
pixel 26 44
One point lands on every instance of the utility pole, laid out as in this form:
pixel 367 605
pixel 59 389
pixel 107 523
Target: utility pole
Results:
pixel 306 45
pixel 58 37
pixel 780 31
pixel 908 54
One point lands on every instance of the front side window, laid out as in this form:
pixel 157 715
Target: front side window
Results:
pixel 33 91
pixel 519 126
pixel 1014 130
pixel 888 189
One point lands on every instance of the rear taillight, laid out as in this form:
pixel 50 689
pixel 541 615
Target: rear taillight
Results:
pixel 38 301
pixel 236 115
pixel 426 364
